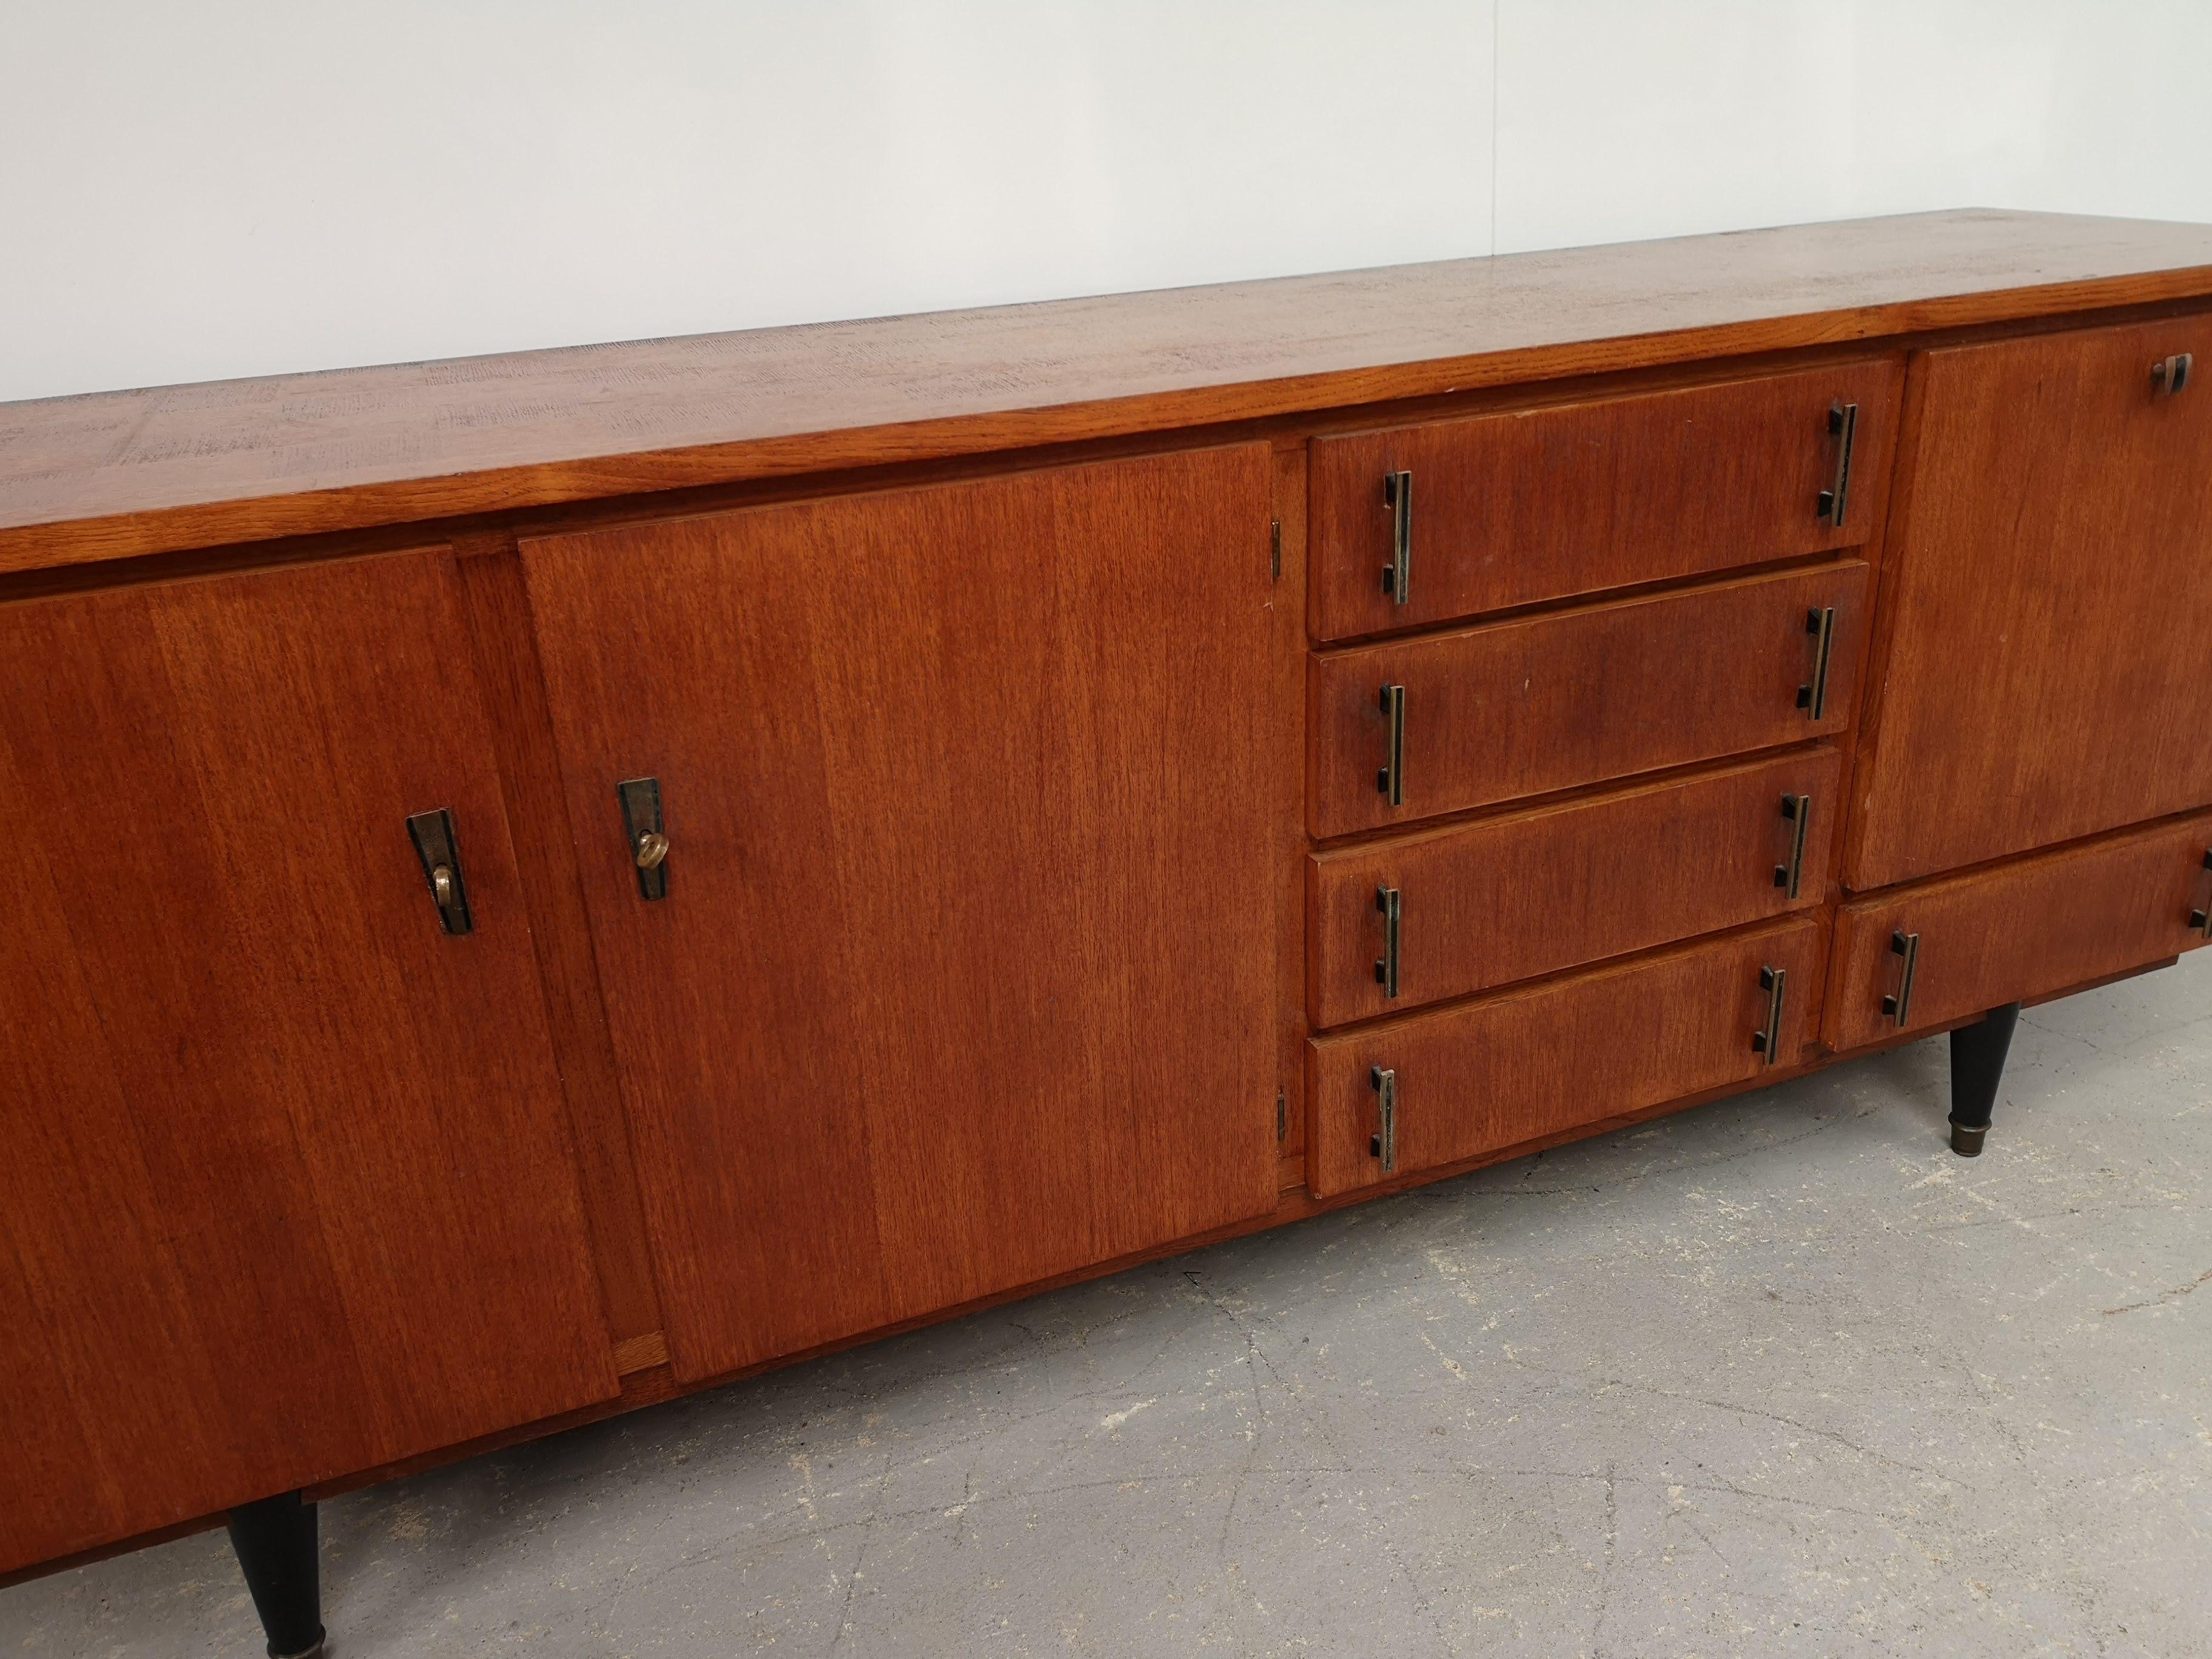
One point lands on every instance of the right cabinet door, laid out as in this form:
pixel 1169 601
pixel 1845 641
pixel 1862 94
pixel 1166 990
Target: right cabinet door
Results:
pixel 959 969
pixel 2048 666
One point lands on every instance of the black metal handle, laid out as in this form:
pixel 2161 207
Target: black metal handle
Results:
pixel 1767 1040
pixel 648 837
pixel 1387 901
pixel 1384 1143
pixel 1844 425
pixel 1798 810
pixel 2169 376
pixel 1398 574
pixel 1900 1006
pixel 440 848
pixel 2202 919
pixel 1391 779
pixel 1813 698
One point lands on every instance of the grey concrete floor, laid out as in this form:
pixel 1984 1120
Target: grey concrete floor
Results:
pixel 1775 1376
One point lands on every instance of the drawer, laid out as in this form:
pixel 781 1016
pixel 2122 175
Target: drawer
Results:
pixel 1950 948
pixel 1477 905
pixel 1480 1076
pixel 1537 504
pixel 1409 728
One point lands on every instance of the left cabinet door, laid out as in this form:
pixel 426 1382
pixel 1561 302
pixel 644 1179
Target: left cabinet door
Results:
pixel 285 1184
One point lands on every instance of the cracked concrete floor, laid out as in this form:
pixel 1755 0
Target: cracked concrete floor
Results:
pixel 1777 1375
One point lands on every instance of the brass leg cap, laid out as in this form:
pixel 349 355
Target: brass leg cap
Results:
pixel 1967 1142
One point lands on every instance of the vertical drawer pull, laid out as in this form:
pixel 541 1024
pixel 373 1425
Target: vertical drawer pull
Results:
pixel 1820 625
pixel 2169 376
pixel 1384 1143
pixel 1398 574
pixel 648 837
pixel 1798 810
pixel 1386 966
pixel 2202 919
pixel 440 849
pixel 1391 779
pixel 1843 424
pixel 1767 1040
pixel 1900 1006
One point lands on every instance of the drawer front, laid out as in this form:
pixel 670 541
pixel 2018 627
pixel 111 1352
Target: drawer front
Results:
pixel 1479 905
pixel 1538 504
pixel 2018 932
pixel 1522 1065
pixel 1548 702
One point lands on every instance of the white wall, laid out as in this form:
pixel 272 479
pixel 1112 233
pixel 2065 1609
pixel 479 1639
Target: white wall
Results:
pixel 235 188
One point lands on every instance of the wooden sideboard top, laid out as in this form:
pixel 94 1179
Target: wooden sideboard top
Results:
pixel 111 475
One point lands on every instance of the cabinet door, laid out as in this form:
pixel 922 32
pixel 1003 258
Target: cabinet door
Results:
pixel 2050 663
pixel 962 976
pixel 286 1179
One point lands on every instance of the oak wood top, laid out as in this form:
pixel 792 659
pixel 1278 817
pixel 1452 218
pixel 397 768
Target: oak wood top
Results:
pixel 115 474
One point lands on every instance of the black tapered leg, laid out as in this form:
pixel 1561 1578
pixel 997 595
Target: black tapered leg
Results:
pixel 275 1539
pixel 1977 1062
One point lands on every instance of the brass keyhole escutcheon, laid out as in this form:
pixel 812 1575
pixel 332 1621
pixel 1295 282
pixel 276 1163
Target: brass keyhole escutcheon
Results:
pixel 651 848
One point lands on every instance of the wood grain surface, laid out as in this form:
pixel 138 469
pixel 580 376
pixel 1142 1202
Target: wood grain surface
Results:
pixel 1576 697
pixel 1529 505
pixel 115 474
pixel 1508 897
pixel 2021 930
pixel 968 971
pixel 285 1186
pixel 1521 1064
pixel 2049 665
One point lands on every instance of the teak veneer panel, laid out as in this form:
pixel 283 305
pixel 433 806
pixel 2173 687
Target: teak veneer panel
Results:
pixel 285 1185
pixel 1524 506
pixel 1572 697
pixel 2021 930
pixel 967 975
pixel 2050 665
pixel 1507 898
pixel 1520 1065
pixel 116 474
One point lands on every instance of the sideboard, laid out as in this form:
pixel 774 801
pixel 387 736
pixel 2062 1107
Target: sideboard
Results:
pixel 541 883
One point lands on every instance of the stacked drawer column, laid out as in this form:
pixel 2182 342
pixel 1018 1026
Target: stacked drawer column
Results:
pixel 1548 888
